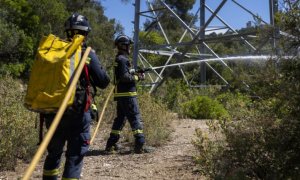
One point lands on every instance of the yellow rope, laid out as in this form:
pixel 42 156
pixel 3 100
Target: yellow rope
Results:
pixel 56 120
pixel 102 113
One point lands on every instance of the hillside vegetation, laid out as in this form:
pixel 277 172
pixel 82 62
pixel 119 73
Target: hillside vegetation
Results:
pixel 254 130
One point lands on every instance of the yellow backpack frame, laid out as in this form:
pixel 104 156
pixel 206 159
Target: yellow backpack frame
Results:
pixel 53 68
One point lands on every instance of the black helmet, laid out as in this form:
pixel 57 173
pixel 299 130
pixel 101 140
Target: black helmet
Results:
pixel 77 22
pixel 122 40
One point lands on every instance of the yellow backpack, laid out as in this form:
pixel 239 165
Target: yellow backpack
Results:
pixel 54 65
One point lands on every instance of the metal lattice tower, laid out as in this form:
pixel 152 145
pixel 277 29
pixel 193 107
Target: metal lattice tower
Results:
pixel 199 43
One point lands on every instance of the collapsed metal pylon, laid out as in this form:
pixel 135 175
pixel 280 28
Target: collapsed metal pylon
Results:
pixel 199 42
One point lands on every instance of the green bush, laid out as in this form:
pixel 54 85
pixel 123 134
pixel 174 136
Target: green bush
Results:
pixel 14 69
pixel 179 93
pixel 17 124
pixel 237 105
pixel 203 107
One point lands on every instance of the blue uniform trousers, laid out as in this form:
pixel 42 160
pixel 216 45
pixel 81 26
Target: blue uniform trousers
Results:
pixel 74 129
pixel 127 107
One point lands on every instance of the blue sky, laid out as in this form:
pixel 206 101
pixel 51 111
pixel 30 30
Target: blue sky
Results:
pixel 231 13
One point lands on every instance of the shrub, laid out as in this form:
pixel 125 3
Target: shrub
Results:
pixel 260 147
pixel 263 140
pixel 18 140
pixel 203 107
pixel 13 69
pixel 210 147
pixel 237 105
pixel 175 92
pixel 173 98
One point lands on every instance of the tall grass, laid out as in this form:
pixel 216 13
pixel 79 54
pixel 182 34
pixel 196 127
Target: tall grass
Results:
pixel 156 119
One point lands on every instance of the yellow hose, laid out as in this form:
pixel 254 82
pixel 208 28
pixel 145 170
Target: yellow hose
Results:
pixel 56 120
pixel 102 113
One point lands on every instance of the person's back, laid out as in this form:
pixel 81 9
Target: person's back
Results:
pixel 74 127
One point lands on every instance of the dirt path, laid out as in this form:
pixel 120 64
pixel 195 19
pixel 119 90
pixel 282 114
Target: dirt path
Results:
pixel 171 161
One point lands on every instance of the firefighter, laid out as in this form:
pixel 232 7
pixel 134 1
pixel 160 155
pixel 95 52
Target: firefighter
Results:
pixel 74 127
pixel 126 96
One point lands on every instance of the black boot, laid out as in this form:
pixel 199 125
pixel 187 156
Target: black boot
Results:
pixel 112 149
pixel 139 149
pixel 111 144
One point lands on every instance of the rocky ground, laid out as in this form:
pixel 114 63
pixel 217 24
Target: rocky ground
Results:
pixel 170 161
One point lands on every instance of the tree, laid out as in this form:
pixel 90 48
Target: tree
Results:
pixel 18 22
pixel 23 23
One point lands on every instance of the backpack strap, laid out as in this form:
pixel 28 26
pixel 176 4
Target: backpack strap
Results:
pixel 42 120
pixel 87 89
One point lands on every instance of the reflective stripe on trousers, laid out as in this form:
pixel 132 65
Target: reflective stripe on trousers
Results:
pixel 127 107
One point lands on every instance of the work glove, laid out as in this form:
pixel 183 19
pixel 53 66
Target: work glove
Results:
pixel 141 76
pixel 132 71
pixel 94 112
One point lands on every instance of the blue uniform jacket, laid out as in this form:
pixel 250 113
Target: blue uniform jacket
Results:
pixel 125 82
pixel 97 74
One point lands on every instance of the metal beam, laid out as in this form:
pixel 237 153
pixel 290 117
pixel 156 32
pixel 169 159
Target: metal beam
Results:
pixel 202 36
pixel 199 41
pixel 136 32
pixel 227 25
pixel 204 26
pixel 247 10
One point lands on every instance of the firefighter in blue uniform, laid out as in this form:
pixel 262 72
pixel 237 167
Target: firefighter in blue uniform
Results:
pixel 125 94
pixel 74 127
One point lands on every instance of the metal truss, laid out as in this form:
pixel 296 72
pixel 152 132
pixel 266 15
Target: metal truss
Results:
pixel 197 51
